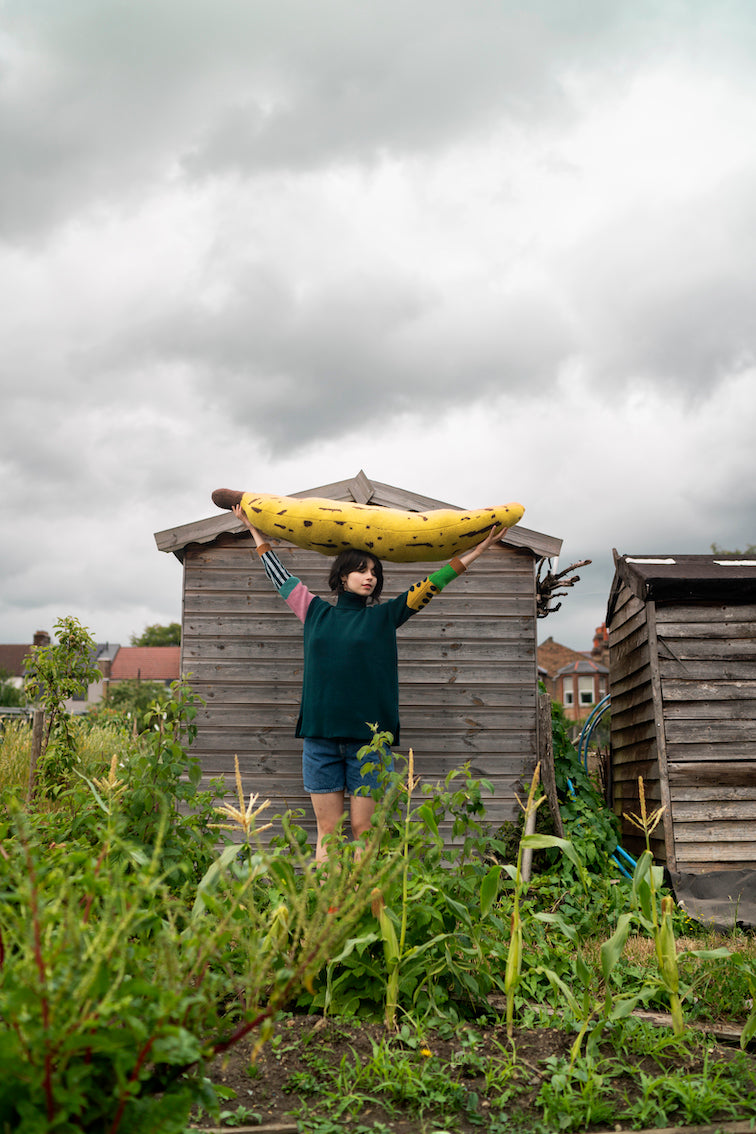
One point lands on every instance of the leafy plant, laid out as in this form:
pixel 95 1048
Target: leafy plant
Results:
pixel 11 697
pixel 54 674
pixel 113 995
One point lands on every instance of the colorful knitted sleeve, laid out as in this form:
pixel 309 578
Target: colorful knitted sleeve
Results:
pixel 420 594
pixel 291 589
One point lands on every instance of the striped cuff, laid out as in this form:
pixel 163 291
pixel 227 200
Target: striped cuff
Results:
pixel 274 568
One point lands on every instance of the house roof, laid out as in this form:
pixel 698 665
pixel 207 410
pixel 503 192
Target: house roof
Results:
pixel 681 578
pixel 554 657
pixel 583 666
pixel 146 663
pixel 12 659
pixel 363 491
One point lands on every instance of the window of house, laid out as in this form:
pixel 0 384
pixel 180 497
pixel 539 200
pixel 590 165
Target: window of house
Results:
pixel 569 696
pixel 585 690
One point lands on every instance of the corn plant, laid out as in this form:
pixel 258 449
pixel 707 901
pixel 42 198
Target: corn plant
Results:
pixel 513 970
pixel 655 914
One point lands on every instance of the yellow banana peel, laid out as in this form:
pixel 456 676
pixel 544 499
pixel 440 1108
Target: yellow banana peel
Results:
pixel 329 526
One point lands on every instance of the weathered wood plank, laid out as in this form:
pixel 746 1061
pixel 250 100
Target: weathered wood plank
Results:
pixel 712 670
pixel 463 742
pixel 257 697
pixel 628 620
pixel 631 698
pixel 703 852
pixel 435 671
pixel 708 691
pixel 704 614
pixel 635 733
pixel 735 710
pixel 702 649
pixel 720 830
pixel 460 653
pixel 634 640
pixel 713 732
pixel 629 712
pixel 719 774
pixel 713 811
pixel 696 866
pixel 702 795
pixel 628 683
pixel 463 719
pixel 722 632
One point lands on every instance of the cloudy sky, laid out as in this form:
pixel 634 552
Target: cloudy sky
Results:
pixel 484 250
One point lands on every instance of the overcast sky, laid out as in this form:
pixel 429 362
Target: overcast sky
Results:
pixel 484 250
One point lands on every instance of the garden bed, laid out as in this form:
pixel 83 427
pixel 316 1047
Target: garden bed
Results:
pixel 321 1076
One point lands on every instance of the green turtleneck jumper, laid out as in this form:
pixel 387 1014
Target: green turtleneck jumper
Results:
pixel 350 680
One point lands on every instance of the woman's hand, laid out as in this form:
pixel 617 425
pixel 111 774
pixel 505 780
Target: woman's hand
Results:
pixel 493 537
pixel 257 536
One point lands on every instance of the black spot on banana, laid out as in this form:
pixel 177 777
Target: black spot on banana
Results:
pixel 329 526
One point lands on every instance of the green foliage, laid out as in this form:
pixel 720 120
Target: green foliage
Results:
pixel 114 992
pixel 11 697
pixel 721 553
pixel 131 702
pixel 157 635
pixel 588 822
pixel 54 674
pixel 15 754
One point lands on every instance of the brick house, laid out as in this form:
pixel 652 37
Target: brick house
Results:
pixel 577 680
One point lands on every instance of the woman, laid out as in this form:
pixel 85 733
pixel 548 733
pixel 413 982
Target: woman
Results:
pixel 350 684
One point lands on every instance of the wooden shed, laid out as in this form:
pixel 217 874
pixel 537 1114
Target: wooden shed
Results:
pixel 682 656
pixel 467 665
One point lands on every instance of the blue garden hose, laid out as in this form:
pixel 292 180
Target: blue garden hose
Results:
pixel 584 739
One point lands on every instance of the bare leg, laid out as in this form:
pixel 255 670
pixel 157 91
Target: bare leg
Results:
pixel 361 812
pixel 329 811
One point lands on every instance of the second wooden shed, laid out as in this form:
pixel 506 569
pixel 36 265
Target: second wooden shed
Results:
pixel 468 681
pixel 682 655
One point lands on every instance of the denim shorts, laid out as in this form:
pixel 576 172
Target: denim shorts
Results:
pixel 333 765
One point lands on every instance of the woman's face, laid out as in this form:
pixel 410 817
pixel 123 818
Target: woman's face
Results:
pixel 361 582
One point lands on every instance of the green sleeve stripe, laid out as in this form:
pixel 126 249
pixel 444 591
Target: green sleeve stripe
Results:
pixel 420 594
pixel 288 586
pixel 443 576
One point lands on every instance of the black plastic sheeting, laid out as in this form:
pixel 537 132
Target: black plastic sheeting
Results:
pixel 719 899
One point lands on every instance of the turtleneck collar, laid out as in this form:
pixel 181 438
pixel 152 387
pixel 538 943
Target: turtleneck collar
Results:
pixel 348 601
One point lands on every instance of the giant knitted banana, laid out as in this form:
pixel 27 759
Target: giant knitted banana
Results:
pixel 329 526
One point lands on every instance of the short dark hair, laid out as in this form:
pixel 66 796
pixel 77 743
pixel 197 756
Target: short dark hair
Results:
pixel 351 559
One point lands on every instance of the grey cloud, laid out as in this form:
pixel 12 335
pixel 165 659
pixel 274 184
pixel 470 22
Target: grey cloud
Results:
pixel 356 351
pixel 101 100
pixel 668 297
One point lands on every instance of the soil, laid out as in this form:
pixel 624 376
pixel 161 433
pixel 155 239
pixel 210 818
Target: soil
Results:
pixel 269 1089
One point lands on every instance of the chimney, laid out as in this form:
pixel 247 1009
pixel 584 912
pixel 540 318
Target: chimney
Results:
pixel 41 638
pixel 600 643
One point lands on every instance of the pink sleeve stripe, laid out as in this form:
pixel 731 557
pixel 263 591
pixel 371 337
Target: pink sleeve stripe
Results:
pixel 299 599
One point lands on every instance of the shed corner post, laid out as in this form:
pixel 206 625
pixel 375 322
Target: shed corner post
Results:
pixel 661 737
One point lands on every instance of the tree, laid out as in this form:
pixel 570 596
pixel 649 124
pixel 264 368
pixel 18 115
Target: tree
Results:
pixel 54 674
pixel 157 635
pixel 749 553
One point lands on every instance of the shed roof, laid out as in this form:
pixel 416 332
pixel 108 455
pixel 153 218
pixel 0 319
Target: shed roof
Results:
pixel 670 578
pixel 363 491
